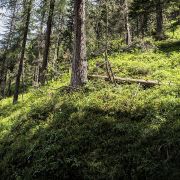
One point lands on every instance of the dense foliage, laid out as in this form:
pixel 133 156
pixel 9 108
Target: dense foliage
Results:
pixel 99 130
pixel 36 39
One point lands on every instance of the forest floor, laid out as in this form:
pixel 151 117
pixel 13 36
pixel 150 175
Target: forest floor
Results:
pixel 101 131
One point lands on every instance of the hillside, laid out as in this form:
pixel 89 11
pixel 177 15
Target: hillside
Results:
pixel 101 131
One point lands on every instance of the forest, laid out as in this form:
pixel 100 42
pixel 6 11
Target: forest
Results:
pixel 90 89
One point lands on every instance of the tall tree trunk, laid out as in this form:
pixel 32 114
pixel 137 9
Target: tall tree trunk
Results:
pixel 3 76
pixel 9 84
pixel 144 24
pixel 79 63
pixel 159 20
pixel 47 43
pixel 137 26
pixel 3 71
pixel 127 24
pixel 21 61
pixel 57 44
pixel 40 45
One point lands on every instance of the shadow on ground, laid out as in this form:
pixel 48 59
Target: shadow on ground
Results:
pixel 168 47
pixel 65 142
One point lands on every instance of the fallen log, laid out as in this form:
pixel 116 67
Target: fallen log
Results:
pixel 120 80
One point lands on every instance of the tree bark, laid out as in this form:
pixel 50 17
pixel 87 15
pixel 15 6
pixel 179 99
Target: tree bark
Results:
pixel 159 20
pixel 3 74
pixel 79 63
pixel 3 71
pixel 137 26
pixel 9 85
pixel 47 43
pixel 40 45
pixel 21 61
pixel 127 24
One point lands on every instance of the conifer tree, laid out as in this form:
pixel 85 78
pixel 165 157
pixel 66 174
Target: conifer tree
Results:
pixel 27 14
pixel 43 69
pixel 3 71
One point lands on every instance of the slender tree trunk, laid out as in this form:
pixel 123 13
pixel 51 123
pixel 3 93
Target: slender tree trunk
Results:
pixel 40 45
pixel 159 20
pixel 58 47
pixel 127 24
pixel 107 41
pixel 57 44
pixel 137 26
pixel 21 61
pixel 142 25
pixel 47 43
pixel 79 63
pixel 56 54
pixel 9 85
pixel 3 76
pixel 3 71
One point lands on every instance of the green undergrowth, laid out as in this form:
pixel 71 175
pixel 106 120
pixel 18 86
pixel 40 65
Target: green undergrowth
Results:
pixel 101 131
pixel 163 67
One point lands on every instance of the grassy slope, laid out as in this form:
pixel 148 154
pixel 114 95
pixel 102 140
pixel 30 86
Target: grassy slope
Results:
pixel 101 131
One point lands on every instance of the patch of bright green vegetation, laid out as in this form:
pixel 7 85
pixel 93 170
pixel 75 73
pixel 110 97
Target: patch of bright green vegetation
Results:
pixel 101 131
pixel 174 31
pixel 148 65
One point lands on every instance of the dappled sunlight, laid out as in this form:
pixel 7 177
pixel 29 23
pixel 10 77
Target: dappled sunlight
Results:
pixel 147 65
pixel 94 126
pixel 89 90
pixel 99 119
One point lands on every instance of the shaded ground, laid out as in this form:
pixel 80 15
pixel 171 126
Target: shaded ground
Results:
pixel 100 131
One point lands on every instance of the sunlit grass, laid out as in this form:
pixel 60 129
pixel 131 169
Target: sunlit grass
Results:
pixel 53 131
